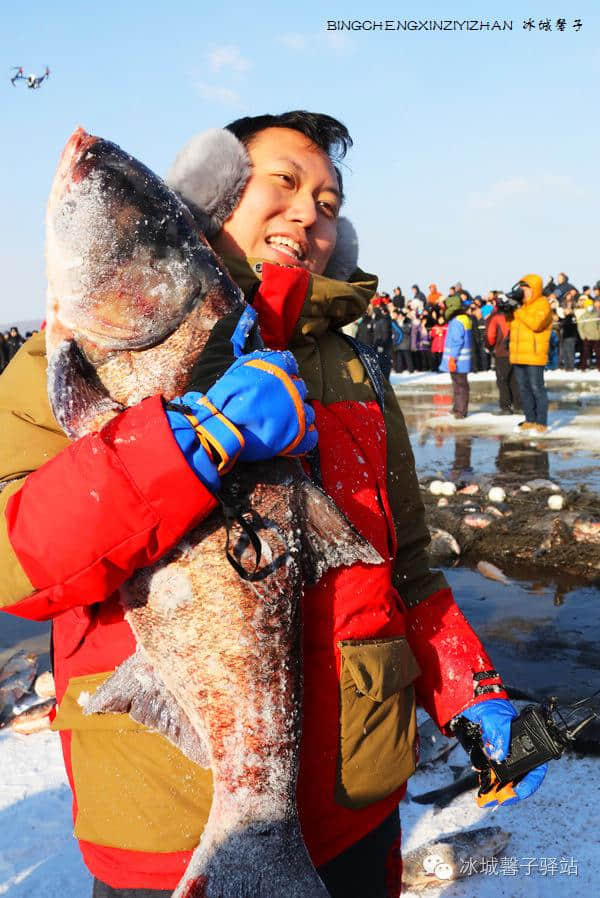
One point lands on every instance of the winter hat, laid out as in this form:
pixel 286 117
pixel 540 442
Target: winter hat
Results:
pixel 451 305
pixel 535 282
pixel 210 174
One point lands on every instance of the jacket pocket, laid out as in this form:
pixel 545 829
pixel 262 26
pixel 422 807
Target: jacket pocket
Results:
pixel 134 790
pixel 378 727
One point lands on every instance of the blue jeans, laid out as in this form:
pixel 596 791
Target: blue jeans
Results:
pixel 534 397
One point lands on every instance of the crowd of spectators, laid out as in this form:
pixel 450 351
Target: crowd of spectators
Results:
pixel 10 342
pixel 408 333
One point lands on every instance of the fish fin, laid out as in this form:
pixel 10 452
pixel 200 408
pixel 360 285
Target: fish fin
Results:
pixel 329 539
pixel 267 859
pixel 78 398
pixel 136 689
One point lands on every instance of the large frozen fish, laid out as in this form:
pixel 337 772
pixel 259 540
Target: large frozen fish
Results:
pixel 134 293
pixel 452 857
pixel 492 572
pixel 443 546
pixel 16 677
pixel 433 745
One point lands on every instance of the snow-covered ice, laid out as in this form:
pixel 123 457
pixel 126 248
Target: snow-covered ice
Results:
pixel 582 430
pixel 39 857
pixel 429 378
pixel 576 424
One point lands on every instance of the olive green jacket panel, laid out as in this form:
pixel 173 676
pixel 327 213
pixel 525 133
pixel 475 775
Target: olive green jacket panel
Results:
pixel 412 576
pixel 318 345
pixel 29 437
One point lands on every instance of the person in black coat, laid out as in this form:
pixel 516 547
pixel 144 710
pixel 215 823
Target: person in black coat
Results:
pixel 563 287
pixel 14 342
pixel 402 353
pixel 3 352
pixel 567 334
pixel 398 299
pixel 382 338
pixel 418 294
pixel 364 331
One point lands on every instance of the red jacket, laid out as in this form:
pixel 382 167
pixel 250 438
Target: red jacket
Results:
pixel 438 337
pixel 129 491
pixel 497 334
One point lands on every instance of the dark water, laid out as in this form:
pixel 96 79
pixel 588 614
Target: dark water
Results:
pixel 543 636
pixel 16 633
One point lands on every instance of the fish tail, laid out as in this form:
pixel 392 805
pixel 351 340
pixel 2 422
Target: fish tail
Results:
pixel 263 860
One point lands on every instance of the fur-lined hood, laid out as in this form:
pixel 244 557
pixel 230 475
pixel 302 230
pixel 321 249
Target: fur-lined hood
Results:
pixel 210 174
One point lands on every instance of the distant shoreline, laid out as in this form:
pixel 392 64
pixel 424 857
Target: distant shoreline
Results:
pixel 32 324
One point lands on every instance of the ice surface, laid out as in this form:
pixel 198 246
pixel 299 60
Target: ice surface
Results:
pixel 40 857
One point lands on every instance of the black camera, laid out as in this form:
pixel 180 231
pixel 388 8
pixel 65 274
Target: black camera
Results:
pixel 507 304
pixel 516 294
pixel 539 734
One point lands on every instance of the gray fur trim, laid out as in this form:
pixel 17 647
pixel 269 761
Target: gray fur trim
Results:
pixel 344 260
pixel 210 173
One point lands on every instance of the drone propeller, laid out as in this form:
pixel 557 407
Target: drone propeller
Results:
pixel 18 70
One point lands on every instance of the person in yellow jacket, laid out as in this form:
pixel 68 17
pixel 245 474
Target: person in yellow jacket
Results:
pixel 528 348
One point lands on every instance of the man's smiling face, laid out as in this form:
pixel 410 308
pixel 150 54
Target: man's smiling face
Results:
pixel 289 208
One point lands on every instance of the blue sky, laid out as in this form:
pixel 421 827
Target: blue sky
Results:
pixel 475 154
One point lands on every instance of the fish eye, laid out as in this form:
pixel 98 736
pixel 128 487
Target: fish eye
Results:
pixel 431 861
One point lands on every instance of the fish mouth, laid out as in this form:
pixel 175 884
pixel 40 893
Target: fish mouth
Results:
pixel 102 336
pixel 116 330
pixel 76 147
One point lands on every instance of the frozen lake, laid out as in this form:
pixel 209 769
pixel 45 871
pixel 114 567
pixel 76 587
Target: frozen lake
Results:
pixel 491 446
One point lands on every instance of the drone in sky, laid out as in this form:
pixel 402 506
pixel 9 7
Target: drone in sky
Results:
pixel 33 82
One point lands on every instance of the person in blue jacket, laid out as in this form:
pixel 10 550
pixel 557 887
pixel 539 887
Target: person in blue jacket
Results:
pixel 458 353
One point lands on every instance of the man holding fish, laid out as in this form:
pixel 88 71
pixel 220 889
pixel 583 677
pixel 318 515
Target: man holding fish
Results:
pixel 79 518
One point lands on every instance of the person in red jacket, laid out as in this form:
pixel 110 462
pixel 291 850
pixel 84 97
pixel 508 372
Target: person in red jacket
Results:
pixel 497 336
pixel 438 339
pixel 374 638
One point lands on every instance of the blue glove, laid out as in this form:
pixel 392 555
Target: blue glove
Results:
pixel 494 716
pixel 255 411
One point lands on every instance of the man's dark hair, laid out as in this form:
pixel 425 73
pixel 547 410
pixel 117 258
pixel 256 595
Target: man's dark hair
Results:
pixel 585 287
pixel 323 130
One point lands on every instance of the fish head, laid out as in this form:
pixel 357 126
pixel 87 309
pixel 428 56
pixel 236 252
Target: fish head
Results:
pixel 126 262
pixel 131 281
